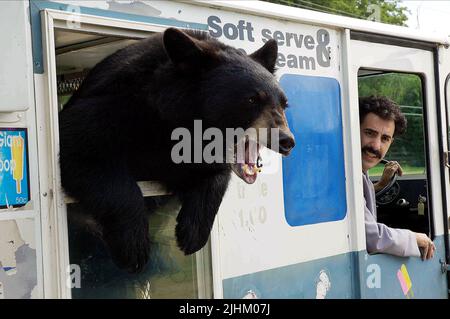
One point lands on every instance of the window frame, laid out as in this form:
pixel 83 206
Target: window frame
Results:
pixel 56 264
pixel 427 176
pixel 422 79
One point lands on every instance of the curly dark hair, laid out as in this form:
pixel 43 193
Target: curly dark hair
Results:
pixel 384 108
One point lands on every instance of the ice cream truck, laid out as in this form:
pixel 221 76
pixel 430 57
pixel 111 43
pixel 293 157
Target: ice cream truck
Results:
pixel 299 231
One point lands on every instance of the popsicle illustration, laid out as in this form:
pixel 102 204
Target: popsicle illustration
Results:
pixel 17 158
pixel 405 281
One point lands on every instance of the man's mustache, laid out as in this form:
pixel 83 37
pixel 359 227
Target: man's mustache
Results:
pixel 371 150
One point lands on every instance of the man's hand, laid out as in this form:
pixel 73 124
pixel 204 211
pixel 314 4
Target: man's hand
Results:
pixel 426 246
pixel 389 170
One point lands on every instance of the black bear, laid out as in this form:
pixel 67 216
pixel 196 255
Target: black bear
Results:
pixel 117 129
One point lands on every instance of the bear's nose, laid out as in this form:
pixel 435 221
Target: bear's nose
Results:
pixel 286 142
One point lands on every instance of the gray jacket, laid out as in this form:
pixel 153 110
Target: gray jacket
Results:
pixel 381 238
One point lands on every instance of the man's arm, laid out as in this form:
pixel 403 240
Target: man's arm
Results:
pixel 383 239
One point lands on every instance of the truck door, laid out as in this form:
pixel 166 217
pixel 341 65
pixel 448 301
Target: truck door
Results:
pixel 444 80
pixel 404 71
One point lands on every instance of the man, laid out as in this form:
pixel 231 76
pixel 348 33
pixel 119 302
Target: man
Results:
pixel 381 120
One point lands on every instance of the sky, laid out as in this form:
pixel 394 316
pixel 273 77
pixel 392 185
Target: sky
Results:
pixel 429 15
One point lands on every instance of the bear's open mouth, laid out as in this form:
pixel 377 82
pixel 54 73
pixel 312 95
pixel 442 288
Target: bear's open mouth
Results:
pixel 247 165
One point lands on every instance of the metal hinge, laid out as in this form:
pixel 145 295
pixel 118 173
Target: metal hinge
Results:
pixel 446 158
pixel 444 266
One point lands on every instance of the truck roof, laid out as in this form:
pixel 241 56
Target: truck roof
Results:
pixel 272 10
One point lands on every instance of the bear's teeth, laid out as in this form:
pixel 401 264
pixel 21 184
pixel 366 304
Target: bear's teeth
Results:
pixel 251 170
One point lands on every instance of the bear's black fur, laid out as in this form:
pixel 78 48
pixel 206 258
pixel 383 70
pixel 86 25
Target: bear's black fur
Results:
pixel 116 130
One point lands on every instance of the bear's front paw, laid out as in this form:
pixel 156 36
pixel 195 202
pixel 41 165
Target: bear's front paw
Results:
pixel 129 246
pixel 191 237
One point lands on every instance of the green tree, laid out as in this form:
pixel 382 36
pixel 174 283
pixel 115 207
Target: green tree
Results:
pixel 389 11
pixel 405 90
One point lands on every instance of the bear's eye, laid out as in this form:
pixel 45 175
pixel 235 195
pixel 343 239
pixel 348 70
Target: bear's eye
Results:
pixel 284 103
pixel 258 97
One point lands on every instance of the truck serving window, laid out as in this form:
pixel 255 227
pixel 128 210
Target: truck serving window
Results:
pixel 405 204
pixel 169 273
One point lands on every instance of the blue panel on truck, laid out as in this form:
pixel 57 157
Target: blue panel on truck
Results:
pixel 329 277
pixel 314 174
pixel 350 275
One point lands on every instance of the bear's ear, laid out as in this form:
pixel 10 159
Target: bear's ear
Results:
pixel 183 50
pixel 267 55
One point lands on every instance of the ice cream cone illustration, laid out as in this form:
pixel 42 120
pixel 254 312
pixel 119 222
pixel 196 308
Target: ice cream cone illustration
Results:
pixel 17 158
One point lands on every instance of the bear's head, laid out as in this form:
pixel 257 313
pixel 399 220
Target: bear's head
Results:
pixel 237 92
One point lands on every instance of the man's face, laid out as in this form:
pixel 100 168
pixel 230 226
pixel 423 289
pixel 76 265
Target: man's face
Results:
pixel 376 138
